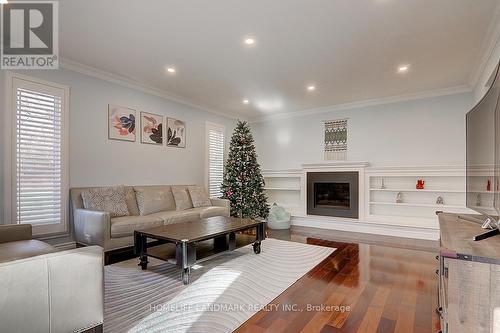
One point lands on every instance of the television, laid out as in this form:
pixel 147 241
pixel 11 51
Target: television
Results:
pixel 483 157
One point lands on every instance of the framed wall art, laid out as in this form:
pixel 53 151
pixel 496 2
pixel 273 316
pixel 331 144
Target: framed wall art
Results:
pixel 121 123
pixel 151 128
pixel 176 133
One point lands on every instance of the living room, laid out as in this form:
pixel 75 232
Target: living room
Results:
pixel 321 166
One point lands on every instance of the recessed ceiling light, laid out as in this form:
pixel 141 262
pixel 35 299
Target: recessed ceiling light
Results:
pixel 171 70
pixel 250 41
pixel 246 101
pixel 311 88
pixel 403 68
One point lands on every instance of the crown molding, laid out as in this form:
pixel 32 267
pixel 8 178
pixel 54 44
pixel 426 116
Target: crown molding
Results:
pixel 365 103
pixel 490 43
pixel 136 85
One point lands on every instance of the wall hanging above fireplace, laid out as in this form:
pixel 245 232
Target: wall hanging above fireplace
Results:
pixel 336 139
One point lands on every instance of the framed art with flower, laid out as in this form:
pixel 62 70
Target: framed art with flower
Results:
pixel 151 128
pixel 176 133
pixel 121 123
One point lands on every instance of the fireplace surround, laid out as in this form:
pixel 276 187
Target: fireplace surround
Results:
pixel 333 194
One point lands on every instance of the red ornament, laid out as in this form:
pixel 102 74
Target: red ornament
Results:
pixel 420 184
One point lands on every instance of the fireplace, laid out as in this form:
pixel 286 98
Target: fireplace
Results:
pixel 333 194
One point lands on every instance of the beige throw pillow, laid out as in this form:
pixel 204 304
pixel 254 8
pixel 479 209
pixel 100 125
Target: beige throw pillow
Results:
pixel 131 201
pixel 182 197
pixel 154 199
pixel 199 196
pixel 107 199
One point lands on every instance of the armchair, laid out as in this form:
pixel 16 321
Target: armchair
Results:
pixel 16 243
pixel 45 290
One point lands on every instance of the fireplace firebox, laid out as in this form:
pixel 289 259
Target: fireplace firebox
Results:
pixel 333 194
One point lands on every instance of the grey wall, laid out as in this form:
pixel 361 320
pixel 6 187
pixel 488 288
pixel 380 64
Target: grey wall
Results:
pixel 419 132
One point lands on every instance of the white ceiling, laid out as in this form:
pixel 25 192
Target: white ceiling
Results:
pixel 349 49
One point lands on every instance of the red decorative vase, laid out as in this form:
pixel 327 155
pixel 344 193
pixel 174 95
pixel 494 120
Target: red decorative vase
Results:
pixel 420 184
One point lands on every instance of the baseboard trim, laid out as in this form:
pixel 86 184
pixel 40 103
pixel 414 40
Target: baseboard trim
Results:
pixel 367 227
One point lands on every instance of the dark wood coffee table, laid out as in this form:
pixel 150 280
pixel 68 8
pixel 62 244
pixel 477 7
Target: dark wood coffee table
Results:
pixel 185 236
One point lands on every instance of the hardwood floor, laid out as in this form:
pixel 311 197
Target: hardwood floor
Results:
pixel 370 288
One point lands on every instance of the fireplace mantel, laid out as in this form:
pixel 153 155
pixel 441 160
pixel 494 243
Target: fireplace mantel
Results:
pixel 335 165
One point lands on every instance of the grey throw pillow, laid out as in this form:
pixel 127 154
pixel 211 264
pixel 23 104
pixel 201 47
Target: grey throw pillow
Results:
pixel 199 196
pixel 107 199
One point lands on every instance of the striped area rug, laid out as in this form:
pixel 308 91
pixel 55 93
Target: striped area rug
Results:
pixel 225 291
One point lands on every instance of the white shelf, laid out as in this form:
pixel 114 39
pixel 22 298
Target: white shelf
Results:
pixel 418 204
pixel 282 188
pixel 407 204
pixel 415 190
pixel 285 173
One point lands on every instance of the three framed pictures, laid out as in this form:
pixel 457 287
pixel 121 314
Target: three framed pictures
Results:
pixel 154 129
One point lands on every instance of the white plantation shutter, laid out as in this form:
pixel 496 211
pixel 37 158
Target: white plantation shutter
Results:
pixel 215 137
pixel 40 186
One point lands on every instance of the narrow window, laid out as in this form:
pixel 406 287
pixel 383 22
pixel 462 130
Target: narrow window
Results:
pixel 215 160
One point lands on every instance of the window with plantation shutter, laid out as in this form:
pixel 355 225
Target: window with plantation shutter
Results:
pixel 39 184
pixel 215 154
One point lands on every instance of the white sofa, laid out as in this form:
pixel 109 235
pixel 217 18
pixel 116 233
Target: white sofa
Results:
pixel 99 228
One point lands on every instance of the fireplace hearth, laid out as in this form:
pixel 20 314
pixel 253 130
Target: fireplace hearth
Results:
pixel 333 194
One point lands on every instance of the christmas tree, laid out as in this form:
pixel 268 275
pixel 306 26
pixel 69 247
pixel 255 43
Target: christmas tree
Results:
pixel 243 183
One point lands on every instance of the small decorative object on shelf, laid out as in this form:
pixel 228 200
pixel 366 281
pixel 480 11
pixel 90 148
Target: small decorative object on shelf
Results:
pixel 478 200
pixel 439 200
pixel 382 186
pixel 488 186
pixel 399 197
pixel 420 184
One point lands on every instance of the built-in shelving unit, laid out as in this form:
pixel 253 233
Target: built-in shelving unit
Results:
pixel 418 206
pixel 379 212
pixel 284 187
pixel 478 194
pixel 414 204
pixel 415 190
